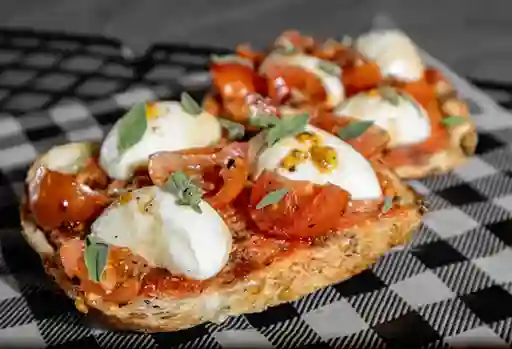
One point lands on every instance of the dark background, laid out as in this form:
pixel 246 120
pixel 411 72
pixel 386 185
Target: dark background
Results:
pixel 473 36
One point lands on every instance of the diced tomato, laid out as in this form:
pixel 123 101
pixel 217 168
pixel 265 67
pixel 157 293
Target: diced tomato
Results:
pixel 302 86
pixel 307 210
pixel 57 199
pixel 208 166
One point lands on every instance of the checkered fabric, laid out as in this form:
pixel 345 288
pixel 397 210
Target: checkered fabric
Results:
pixel 451 285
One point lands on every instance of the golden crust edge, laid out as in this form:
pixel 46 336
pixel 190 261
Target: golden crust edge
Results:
pixel 286 280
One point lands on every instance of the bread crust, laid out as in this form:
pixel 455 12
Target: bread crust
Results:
pixel 304 271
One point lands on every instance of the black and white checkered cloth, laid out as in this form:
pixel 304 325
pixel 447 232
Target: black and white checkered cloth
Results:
pixel 451 285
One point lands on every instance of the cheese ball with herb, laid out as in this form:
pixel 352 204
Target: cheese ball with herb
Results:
pixel 152 127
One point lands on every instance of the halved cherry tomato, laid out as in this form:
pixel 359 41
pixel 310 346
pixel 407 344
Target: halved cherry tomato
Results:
pixel 207 166
pixel 120 281
pixel 301 85
pixel 307 210
pixel 234 82
pixel 372 142
pixel 420 90
pixel 57 199
pixel 359 78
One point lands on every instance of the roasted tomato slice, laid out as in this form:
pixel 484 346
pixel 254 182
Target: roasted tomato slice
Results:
pixel 221 172
pixel 121 279
pixel 300 86
pixel 307 210
pixel 234 82
pixel 57 199
pixel 357 78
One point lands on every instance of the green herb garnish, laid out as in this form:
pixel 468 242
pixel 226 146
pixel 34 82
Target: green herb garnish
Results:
pixel 95 257
pixel 272 198
pixel 453 120
pixel 263 119
pixel 288 126
pixel 131 127
pixel 388 204
pixel 354 129
pixel 329 68
pixel 235 130
pixel 389 94
pixel 189 105
pixel 187 192
pixel 231 59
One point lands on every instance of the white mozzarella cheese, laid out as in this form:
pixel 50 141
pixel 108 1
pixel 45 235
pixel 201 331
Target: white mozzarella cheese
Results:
pixel 407 122
pixel 171 129
pixel 332 84
pixel 354 173
pixel 151 224
pixel 394 53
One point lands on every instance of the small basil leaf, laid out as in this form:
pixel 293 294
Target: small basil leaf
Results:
pixel 95 257
pixel 186 191
pixel 288 126
pixel 272 198
pixel 189 105
pixel 354 129
pixel 131 127
pixel 329 68
pixel 453 120
pixel 388 204
pixel 235 130
pixel 263 120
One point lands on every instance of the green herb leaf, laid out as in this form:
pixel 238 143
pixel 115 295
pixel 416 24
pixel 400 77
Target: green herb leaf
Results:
pixel 226 59
pixel 263 120
pixel 288 126
pixel 189 105
pixel 388 204
pixel 354 129
pixel 187 192
pixel 453 120
pixel 389 94
pixel 131 127
pixel 329 68
pixel 272 198
pixel 235 130
pixel 95 257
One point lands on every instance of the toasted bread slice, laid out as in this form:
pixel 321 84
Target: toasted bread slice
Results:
pixel 306 269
